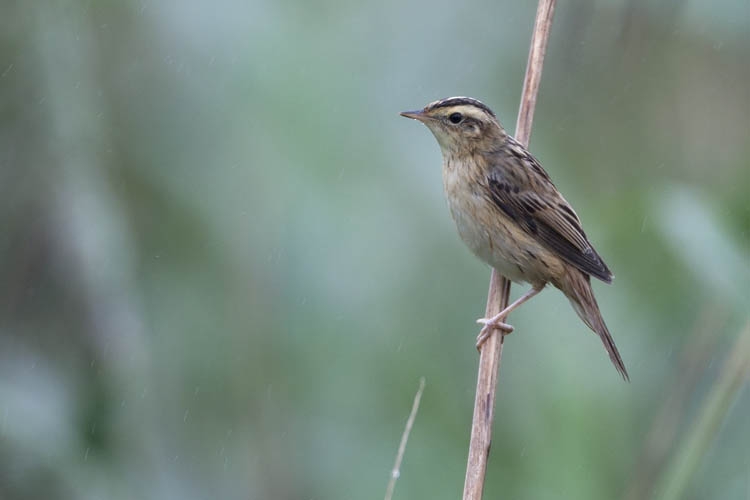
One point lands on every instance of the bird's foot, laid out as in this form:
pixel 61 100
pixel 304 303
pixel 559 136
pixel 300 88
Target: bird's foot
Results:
pixel 490 325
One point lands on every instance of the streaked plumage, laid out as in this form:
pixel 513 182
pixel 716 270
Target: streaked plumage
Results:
pixel 511 215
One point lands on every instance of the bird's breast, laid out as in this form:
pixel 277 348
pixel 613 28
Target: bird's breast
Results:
pixel 489 233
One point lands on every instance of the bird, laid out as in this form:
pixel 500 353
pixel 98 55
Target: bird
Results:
pixel 511 216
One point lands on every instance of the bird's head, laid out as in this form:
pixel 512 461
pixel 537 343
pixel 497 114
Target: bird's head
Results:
pixel 460 123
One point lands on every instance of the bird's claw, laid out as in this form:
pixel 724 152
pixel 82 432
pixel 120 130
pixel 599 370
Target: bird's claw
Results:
pixel 490 325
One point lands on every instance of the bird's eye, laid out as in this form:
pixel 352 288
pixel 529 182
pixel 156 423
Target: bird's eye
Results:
pixel 456 117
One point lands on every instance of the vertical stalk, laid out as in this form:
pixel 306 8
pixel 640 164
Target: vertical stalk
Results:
pixel 499 292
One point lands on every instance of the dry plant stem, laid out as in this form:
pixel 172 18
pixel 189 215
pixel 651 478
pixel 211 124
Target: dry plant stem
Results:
pixel 396 471
pixel 499 293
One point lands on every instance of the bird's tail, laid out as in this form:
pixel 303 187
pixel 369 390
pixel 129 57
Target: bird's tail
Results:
pixel 577 287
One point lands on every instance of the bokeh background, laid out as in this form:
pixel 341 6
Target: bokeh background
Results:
pixel 226 261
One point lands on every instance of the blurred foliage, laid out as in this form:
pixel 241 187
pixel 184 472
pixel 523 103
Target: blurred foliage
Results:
pixel 226 261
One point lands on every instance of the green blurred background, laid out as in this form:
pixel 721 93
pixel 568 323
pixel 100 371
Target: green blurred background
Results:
pixel 227 261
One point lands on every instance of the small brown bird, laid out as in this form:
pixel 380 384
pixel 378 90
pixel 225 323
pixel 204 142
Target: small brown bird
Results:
pixel 510 214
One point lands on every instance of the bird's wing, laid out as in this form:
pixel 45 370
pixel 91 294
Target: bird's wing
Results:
pixel 531 200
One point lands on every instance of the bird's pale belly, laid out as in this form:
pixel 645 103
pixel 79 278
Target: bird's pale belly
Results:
pixel 499 242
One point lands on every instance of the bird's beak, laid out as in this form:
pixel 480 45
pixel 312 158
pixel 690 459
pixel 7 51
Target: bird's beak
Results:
pixel 416 115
